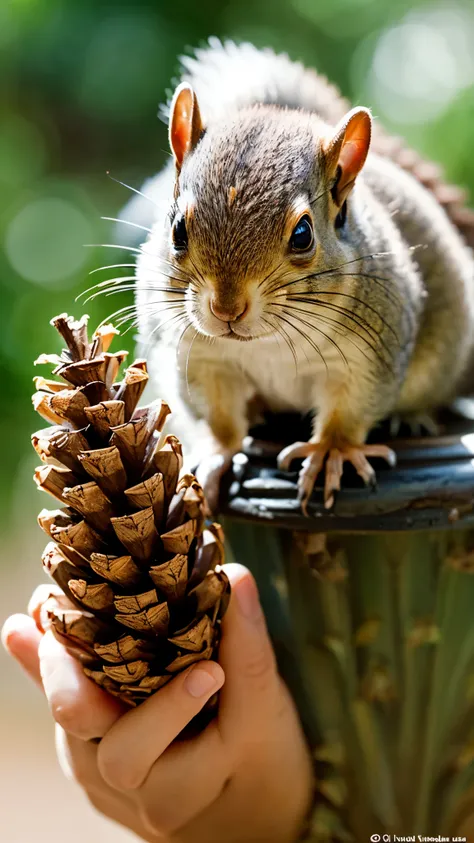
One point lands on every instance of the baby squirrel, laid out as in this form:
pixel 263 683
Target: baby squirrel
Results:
pixel 291 264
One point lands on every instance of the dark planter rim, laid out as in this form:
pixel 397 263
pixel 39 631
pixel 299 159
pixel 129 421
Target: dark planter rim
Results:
pixel 432 486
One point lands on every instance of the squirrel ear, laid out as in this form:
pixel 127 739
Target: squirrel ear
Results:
pixel 347 150
pixel 185 125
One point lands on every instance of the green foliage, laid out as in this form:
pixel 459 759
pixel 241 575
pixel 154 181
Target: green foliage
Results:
pixel 80 84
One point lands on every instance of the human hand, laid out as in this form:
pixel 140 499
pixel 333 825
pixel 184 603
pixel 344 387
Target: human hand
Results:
pixel 246 777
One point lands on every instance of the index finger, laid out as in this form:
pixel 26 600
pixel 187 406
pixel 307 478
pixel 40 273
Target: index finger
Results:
pixel 21 638
pixel 76 703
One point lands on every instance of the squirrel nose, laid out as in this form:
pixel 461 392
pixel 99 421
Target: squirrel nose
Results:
pixel 230 313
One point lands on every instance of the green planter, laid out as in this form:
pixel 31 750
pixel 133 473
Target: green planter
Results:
pixel 371 610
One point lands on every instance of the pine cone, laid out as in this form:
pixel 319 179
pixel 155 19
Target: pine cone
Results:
pixel 131 549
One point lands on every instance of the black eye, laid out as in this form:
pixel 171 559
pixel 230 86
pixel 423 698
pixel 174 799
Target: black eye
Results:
pixel 180 235
pixel 302 237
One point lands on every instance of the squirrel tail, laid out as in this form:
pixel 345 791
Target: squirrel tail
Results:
pixel 226 76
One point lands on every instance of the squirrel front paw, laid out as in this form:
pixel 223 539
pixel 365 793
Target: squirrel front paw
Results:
pixel 316 453
pixel 209 473
pixel 418 424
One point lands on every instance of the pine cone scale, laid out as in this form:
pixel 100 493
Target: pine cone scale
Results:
pixel 139 568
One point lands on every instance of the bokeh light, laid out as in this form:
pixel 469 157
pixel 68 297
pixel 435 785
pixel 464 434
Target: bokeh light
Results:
pixel 422 63
pixel 45 241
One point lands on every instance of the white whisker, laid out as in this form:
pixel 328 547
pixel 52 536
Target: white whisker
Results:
pixel 127 222
pixel 112 266
pixel 113 246
pixel 133 189
pixel 110 281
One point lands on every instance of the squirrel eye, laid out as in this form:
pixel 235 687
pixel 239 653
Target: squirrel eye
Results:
pixel 302 237
pixel 180 235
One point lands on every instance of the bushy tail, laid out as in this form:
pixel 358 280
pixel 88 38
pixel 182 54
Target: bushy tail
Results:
pixel 226 76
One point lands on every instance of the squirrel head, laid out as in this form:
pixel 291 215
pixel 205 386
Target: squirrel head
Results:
pixel 259 208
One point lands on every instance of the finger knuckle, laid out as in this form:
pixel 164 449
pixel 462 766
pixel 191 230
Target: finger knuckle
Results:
pixel 114 769
pixel 80 773
pixel 160 821
pixel 99 802
pixel 152 819
pixel 260 668
pixel 95 800
pixel 9 634
pixel 72 717
pixel 76 765
pixel 40 594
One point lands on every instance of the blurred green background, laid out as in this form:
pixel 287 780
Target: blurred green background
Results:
pixel 80 84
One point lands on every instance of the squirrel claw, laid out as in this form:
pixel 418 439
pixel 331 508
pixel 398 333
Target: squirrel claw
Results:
pixel 316 453
pixel 312 465
pixel 294 452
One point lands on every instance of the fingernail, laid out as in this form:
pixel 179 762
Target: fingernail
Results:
pixel 200 681
pixel 248 598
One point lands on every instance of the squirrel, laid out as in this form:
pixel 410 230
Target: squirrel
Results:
pixel 294 261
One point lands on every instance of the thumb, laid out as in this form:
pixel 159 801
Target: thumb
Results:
pixel 252 689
